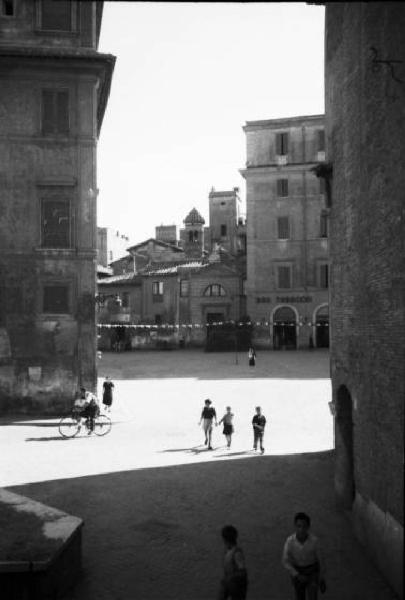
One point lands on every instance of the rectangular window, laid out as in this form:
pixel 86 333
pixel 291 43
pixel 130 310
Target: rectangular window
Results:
pixel 55 112
pixel 157 288
pixel 56 15
pixel 55 224
pixel 321 185
pixel 284 277
pixel 282 187
pixel 283 228
pixel 282 144
pixel 223 230
pixel 324 276
pixel 125 299
pixel 7 8
pixel 321 140
pixel 324 225
pixel 56 299
pixel 184 288
pixel 158 319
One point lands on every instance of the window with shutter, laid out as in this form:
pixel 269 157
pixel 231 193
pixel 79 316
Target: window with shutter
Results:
pixel 157 288
pixel 324 225
pixel 324 276
pixel 283 228
pixel 7 8
pixel 56 299
pixel 282 187
pixel 56 16
pixel 55 223
pixel 55 112
pixel 184 288
pixel 284 277
pixel 282 143
pixel 321 140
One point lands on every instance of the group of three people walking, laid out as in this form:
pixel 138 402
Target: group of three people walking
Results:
pixel 208 415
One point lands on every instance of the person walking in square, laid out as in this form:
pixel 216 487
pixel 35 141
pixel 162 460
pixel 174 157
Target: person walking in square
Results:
pixel 259 423
pixel 252 357
pixel 235 581
pixel 303 560
pixel 108 387
pixel 227 420
pixel 207 416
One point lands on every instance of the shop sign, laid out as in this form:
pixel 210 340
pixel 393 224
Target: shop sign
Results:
pixel 294 299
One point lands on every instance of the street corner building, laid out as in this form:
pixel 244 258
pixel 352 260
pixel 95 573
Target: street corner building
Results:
pixel 287 232
pixel 365 150
pixel 54 87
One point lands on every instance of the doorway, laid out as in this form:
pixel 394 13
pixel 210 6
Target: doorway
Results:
pixel 284 329
pixel 322 327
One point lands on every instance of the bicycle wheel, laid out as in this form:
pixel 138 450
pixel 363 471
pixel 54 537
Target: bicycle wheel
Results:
pixel 102 425
pixel 68 427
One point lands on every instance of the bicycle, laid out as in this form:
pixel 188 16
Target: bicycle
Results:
pixel 71 425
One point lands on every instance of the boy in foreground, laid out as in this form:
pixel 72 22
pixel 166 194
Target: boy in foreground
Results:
pixel 302 559
pixel 234 583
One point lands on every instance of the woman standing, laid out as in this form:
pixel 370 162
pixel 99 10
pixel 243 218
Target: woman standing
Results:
pixel 252 357
pixel 108 394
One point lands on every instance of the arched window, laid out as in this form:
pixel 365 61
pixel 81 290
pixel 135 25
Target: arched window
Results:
pixel 215 289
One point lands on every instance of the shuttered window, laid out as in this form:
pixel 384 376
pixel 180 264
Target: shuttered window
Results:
pixel 283 228
pixel 55 112
pixel 321 140
pixel 7 8
pixel 324 276
pixel 157 288
pixel 324 225
pixel 282 143
pixel 56 299
pixel 56 15
pixel 55 223
pixel 282 187
pixel 284 277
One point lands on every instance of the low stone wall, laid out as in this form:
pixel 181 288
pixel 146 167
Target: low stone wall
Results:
pixel 40 549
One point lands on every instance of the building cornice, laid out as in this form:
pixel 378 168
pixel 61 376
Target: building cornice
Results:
pixel 274 169
pixel 284 122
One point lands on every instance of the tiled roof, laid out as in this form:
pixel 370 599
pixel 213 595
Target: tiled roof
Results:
pixel 194 217
pixel 168 268
pixel 158 242
pixel 117 279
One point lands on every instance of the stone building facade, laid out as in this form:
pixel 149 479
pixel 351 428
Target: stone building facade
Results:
pixel 111 245
pixel 54 87
pixel 287 232
pixel 365 126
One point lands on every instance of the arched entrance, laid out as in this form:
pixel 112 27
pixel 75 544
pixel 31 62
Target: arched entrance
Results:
pixel 344 472
pixel 321 320
pixel 284 328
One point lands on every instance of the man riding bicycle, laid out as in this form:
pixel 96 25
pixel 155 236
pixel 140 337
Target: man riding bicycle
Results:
pixel 86 407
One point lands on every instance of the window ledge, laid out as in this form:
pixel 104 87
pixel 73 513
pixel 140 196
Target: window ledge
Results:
pixel 56 251
pixel 55 32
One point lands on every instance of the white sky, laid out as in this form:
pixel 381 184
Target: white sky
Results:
pixel 187 77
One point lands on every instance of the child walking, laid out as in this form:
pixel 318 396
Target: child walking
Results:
pixel 228 426
pixel 234 583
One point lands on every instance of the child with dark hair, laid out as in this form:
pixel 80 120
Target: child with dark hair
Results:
pixel 227 420
pixel 302 559
pixel 234 583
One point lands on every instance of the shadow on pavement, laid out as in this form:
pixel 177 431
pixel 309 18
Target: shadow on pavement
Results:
pixel 154 533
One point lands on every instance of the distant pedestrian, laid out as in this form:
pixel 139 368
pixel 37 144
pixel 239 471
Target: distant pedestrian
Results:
pixel 207 416
pixel 108 387
pixel 235 582
pixel 303 560
pixel 259 423
pixel 252 357
pixel 227 420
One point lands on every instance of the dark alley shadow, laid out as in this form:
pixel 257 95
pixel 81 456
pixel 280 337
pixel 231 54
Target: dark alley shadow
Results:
pixel 152 517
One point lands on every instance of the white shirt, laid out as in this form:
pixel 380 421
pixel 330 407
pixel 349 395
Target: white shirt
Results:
pixel 302 555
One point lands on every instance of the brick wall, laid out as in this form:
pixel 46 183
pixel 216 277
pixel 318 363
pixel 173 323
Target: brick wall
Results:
pixel 365 110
